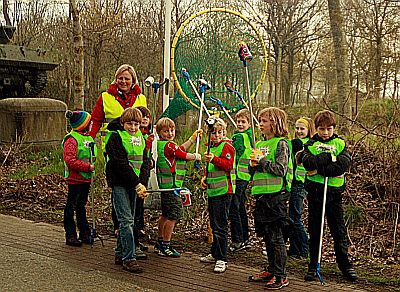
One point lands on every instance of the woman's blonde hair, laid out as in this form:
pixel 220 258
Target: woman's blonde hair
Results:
pixel 123 68
pixel 131 114
pixel 279 121
pixel 164 123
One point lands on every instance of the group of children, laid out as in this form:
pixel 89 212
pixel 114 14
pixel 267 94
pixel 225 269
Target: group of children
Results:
pixel 281 171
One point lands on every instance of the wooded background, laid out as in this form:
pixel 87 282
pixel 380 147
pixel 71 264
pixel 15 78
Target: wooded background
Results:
pixel 309 42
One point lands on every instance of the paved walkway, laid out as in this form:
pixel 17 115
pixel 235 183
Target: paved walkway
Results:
pixel 34 257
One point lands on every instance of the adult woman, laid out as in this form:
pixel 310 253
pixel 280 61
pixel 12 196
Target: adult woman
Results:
pixel 122 93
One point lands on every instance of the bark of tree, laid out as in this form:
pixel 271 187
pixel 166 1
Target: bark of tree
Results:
pixel 79 90
pixel 5 12
pixel 342 72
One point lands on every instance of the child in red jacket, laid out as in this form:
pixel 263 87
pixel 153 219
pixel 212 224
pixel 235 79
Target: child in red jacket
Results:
pixel 79 168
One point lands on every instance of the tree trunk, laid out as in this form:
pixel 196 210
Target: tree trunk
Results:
pixel 79 89
pixel 342 73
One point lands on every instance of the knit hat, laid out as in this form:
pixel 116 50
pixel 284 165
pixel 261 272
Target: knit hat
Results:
pixel 78 120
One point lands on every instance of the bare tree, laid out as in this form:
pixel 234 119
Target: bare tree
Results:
pixel 79 81
pixel 342 72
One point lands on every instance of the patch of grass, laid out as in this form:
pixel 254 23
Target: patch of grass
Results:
pixel 43 162
pixel 353 215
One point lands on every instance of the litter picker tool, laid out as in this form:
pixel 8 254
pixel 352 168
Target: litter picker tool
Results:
pixel 204 85
pixel 221 105
pixel 149 82
pixel 184 193
pixel 322 232
pixel 245 56
pixel 230 88
pixel 93 232
pixel 186 74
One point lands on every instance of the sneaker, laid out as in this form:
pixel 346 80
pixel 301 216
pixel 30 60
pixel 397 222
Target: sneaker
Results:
pixel 236 246
pixel 169 251
pixel 208 259
pixel 263 276
pixel 311 275
pixel 132 267
pixel 118 260
pixel 140 255
pixel 277 284
pixel 220 266
pixel 73 241
pixel 350 274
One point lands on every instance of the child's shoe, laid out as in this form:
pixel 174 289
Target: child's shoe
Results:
pixel 220 266
pixel 236 246
pixel 208 259
pixel 169 251
pixel 311 275
pixel 277 283
pixel 140 255
pixel 263 276
pixel 350 274
pixel 132 267
pixel 73 241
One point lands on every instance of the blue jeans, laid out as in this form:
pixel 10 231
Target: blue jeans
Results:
pixel 76 202
pixel 218 209
pixel 124 204
pixel 298 236
pixel 238 213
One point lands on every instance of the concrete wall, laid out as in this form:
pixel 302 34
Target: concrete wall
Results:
pixel 35 123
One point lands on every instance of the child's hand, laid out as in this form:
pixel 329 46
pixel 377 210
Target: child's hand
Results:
pixel 150 138
pixel 141 191
pixel 195 135
pixel 203 183
pixel 91 167
pixel 208 157
pixel 197 156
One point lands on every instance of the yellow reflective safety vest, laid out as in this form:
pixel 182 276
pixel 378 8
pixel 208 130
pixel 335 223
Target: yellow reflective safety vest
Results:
pixel 300 172
pixel 83 152
pixel 242 167
pixel 217 181
pixel 334 146
pixel 268 183
pixel 113 109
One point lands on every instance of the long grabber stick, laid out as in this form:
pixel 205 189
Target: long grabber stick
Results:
pixel 203 87
pixel 221 105
pixel 93 232
pixel 186 74
pixel 322 232
pixel 245 56
pixel 230 88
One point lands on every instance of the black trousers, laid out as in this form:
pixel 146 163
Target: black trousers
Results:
pixel 335 220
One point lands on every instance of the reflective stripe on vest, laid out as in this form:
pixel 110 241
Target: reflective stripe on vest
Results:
pixel 242 167
pixel 265 182
pixel 217 180
pixel 334 146
pixel 167 179
pixel 113 109
pixel 83 152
